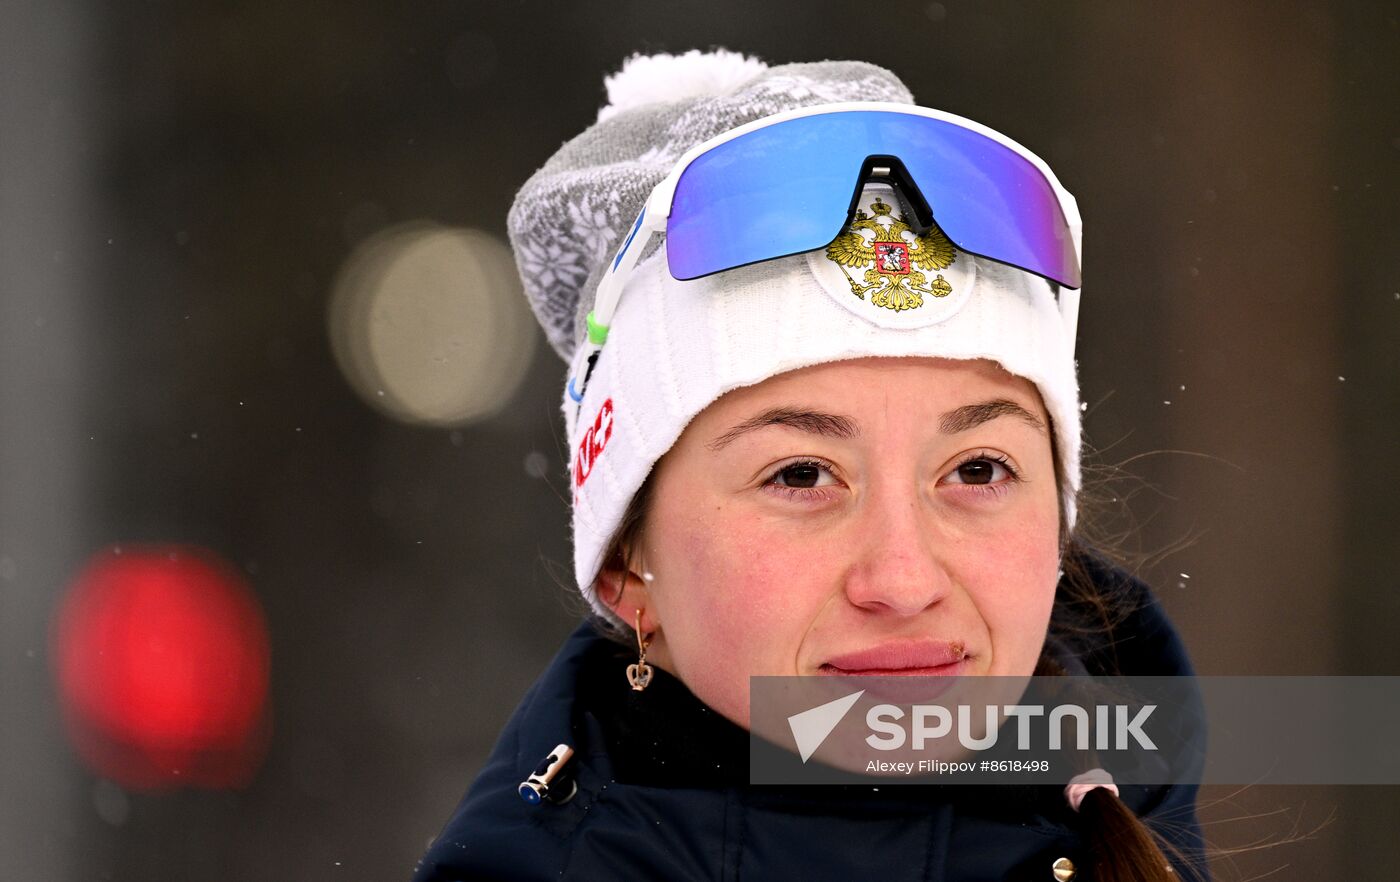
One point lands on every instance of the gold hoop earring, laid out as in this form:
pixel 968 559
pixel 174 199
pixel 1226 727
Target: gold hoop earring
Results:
pixel 639 674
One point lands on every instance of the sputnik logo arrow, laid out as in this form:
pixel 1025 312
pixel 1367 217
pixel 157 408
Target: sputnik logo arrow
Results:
pixel 810 728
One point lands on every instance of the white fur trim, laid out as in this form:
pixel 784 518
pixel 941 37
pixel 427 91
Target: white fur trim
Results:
pixel 647 79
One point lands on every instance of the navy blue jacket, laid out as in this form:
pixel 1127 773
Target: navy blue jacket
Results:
pixel 662 792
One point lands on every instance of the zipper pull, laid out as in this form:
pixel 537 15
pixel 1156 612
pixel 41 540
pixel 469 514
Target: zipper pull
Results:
pixel 549 781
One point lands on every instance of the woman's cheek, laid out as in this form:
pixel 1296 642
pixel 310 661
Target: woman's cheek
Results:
pixel 755 594
pixel 746 606
pixel 1015 593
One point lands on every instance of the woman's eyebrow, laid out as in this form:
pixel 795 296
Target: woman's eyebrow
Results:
pixel 970 416
pixel 813 421
pixel 816 422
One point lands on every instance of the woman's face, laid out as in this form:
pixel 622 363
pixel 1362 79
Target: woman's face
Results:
pixel 870 516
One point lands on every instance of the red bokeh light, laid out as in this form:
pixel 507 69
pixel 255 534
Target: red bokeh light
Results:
pixel 162 659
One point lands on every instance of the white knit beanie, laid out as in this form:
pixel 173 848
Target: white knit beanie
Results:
pixel 673 347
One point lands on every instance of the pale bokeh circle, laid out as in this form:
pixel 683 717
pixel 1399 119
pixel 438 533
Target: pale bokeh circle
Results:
pixel 429 324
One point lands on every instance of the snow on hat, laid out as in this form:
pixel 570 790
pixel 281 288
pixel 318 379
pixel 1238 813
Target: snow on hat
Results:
pixel 674 347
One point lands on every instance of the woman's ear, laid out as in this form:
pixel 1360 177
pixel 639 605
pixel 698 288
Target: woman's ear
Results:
pixel 625 592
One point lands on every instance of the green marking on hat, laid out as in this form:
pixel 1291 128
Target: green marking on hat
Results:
pixel 597 333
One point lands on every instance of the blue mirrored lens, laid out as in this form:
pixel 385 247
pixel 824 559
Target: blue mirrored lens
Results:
pixel 785 189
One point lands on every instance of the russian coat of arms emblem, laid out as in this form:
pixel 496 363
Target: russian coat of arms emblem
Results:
pixel 894 264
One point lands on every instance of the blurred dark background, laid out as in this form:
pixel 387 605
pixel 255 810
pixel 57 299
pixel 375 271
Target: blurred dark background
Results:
pixel 198 199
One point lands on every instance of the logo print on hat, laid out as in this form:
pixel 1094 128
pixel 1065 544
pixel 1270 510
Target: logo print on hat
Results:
pixel 591 446
pixel 880 270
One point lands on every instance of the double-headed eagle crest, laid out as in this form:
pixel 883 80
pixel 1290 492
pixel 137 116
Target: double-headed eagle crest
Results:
pixel 890 252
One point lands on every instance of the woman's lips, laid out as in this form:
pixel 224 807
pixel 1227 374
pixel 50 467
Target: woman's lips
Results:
pixel 929 658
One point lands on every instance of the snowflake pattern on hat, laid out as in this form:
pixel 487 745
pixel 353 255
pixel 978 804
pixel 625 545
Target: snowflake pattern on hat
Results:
pixel 572 214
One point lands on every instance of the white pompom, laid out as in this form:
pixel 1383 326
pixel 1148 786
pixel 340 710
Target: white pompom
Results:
pixel 646 79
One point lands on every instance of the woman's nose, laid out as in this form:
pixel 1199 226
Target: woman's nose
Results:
pixel 900 565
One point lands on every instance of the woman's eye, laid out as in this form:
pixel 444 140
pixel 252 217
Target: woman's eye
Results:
pixel 982 470
pixel 802 475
